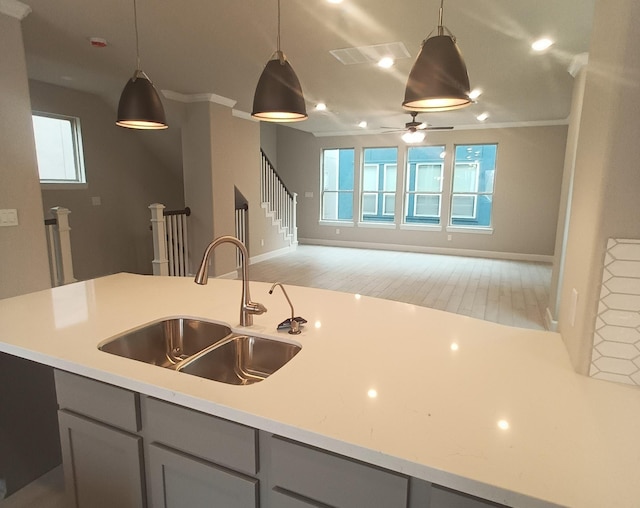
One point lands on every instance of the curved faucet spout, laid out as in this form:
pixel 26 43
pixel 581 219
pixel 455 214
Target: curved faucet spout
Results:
pixel 247 307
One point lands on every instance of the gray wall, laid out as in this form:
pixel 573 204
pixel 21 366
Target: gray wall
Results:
pixel 123 172
pixel 22 248
pixel 222 152
pixel 606 182
pixel 28 426
pixel 527 195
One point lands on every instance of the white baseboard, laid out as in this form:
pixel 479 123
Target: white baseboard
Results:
pixel 514 256
pixel 272 254
pixel 549 323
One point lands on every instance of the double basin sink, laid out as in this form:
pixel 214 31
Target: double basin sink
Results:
pixel 204 349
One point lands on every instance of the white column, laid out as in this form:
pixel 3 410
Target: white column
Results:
pixel 160 261
pixel 62 241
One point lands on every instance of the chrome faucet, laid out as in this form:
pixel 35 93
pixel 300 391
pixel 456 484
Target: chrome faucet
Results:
pixel 293 323
pixel 247 307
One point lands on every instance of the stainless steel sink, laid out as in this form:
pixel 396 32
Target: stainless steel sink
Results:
pixel 168 342
pixel 203 349
pixel 241 360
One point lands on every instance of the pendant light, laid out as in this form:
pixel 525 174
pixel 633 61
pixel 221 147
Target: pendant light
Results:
pixel 438 80
pixel 140 106
pixel 278 96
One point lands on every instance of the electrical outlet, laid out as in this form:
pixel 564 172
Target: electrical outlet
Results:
pixel 448 238
pixel 337 231
pixel 262 243
pixel 9 217
pixel 308 194
pixel 96 201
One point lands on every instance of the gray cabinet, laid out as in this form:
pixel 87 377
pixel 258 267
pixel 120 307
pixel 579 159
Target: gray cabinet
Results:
pixel 102 465
pixel 198 460
pixel 331 480
pixel 125 450
pixel 178 480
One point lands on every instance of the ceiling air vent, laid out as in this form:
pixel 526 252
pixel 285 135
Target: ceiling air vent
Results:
pixel 370 54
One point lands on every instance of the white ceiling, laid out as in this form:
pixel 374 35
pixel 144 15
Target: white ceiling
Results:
pixel 220 47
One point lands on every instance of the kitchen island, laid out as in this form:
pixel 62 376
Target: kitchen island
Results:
pixel 492 411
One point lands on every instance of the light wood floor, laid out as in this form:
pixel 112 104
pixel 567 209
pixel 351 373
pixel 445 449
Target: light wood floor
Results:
pixel 509 292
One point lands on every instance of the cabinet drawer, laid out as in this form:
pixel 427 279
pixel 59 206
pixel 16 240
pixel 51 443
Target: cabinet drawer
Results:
pixel 279 498
pixel 442 497
pixel 208 437
pixel 101 401
pixel 334 480
pixel 178 480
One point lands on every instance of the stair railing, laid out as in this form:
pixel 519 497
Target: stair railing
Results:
pixel 170 240
pixel 277 198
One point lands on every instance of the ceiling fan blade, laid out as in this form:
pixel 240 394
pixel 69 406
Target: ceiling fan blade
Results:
pixel 448 128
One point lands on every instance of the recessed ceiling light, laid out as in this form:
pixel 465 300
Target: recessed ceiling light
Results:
pixel 321 106
pixel 541 44
pixel 482 117
pixel 334 1
pixel 363 124
pixel 386 62
pixel 475 93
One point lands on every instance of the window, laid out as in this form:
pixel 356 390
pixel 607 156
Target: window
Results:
pixel 424 184
pixel 473 183
pixel 379 178
pixel 337 184
pixel 58 148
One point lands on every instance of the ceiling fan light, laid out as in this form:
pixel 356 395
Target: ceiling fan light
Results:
pixel 438 80
pixel 411 137
pixel 140 106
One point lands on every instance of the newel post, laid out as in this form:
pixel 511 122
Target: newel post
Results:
pixel 295 218
pixel 62 244
pixel 160 261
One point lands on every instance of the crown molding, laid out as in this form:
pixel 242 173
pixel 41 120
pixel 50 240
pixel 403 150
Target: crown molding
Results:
pixel 198 97
pixel 14 9
pixel 243 114
pixel 578 62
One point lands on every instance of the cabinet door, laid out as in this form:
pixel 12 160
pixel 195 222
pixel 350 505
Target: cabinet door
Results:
pixel 102 465
pixel 178 480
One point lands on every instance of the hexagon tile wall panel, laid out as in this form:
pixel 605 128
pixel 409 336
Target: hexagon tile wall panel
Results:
pixel 616 341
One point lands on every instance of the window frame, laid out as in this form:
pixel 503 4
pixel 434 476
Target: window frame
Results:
pixel 337 192
pixel 475 194
pixel 80 180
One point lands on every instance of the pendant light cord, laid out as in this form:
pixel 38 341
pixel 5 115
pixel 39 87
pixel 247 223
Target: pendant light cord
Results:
pixel 440 16
pixel 278 39
pixel 135 22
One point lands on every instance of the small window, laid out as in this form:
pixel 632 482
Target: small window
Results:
pixel 58 149
pixel 379 178
pixel 423 196
pixel 473 185
pixel 337 184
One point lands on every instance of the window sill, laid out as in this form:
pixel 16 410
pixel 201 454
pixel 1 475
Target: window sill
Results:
pixel 469 229
pixel 377 225
pixel 342 224
pixel 63 186
pixel 420 227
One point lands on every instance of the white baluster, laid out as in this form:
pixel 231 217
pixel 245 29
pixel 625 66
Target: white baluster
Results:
pixel 62 238
pixel 160 262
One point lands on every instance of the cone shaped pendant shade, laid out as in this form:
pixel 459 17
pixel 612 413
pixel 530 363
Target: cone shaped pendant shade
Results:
pixel 438 80
pixel 278 96
pixel 140 106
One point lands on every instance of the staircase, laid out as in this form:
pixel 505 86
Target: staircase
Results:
pixel 278 202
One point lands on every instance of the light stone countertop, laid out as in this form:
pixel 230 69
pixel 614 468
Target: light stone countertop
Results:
pixel 490 410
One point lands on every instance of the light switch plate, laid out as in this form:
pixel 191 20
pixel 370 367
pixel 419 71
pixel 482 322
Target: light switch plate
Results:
pixel 9 217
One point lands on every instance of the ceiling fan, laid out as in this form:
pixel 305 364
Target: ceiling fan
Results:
pixel 414 130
